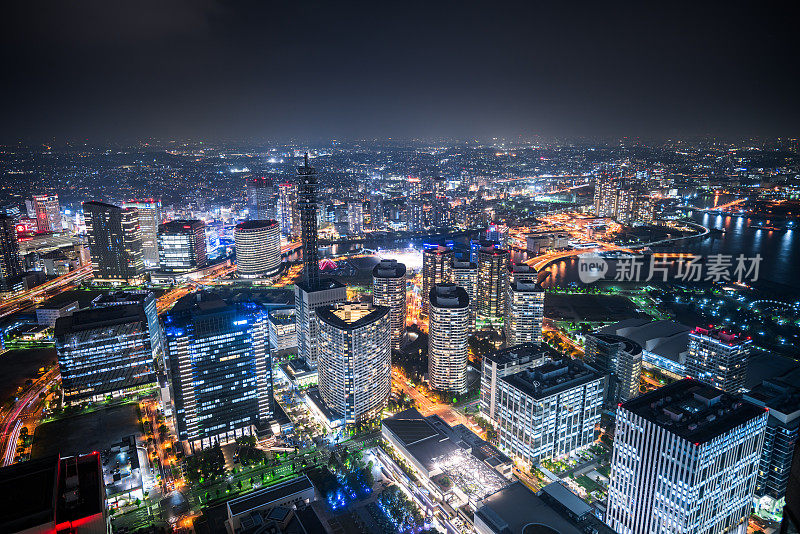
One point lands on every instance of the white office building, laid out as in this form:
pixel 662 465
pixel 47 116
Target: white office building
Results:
pixel 306 301
pixel 507 362
pixel 355 359
pixel 685 460
pixel 718 358
pixel 620 359
pixel 447 338
pixel 549 411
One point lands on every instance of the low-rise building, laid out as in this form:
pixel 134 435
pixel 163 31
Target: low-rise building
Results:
pixel 453 465
pixel 49 311
pixel 665 344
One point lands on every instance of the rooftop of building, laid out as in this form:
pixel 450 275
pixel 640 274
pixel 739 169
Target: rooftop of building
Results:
pixel 281 316
pixel 449 296
pixel 553 377
pixel 419 437
pixel 325 284
pixel 522 286
pixel 722 336
pixel 351 315
pixel 781 395
pixel 516 509
pixel 179 225
pixel 493 251
pixel 100 204
pixel 58 301
pixel 257 224
pixel 455 451
pixel 389 269
pixel 767 365
pixel 523 352
pixel 93 318
pixel 627 345
pixel 28 491
pixel 692 410
pixel 217 299
pixel 118 297
pixel 51 489
pixel 521 268
pixel 438 251
pixel 467 265
pixel 264 497
pixel 665 338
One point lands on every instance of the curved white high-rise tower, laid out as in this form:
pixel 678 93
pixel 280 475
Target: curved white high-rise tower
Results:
pixel 447 338
pixel 354 359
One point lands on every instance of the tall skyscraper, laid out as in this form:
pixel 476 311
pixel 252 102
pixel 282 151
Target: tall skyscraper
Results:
pixel 182 246
pixel 718 358
pixel 258 248
pixel 492 286
pixel 437 268
pixel 389 289
pixel 447 338
pixel 621 198
pixel 523 322
pixel 465 274
pixel 307 203
pixel 548 411
pixel 115 242
pixel 107 351
pixel 791 512
pixel 522 272
pixel 376 216
pixel 621 359
pixel 781 396
pixel 221 375
pixel 261 198
pixel 415 207
pixel 48 212
pixel 149 220
pixel 355 217
pixel 685 459
pixel 288 214
pixel 441 211
pixel 10 262
pixel 312 292
pixel 355 366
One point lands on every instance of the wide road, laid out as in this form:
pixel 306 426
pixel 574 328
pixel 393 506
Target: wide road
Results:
pixel 427 406
pixel 29 298
pixel 10 429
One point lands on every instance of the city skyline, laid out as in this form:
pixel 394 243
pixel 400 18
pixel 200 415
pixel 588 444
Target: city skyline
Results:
pixel 442 268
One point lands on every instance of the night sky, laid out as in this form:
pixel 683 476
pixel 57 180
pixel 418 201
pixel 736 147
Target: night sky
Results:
pixel 228 69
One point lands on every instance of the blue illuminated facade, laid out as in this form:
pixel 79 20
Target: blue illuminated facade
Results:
pixel 220 369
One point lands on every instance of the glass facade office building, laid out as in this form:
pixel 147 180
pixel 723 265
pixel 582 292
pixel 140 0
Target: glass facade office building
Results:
pixel 220 369
pixel 105 351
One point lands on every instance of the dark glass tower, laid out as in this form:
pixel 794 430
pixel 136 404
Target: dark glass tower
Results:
pixel 10 263
pixel 307 202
